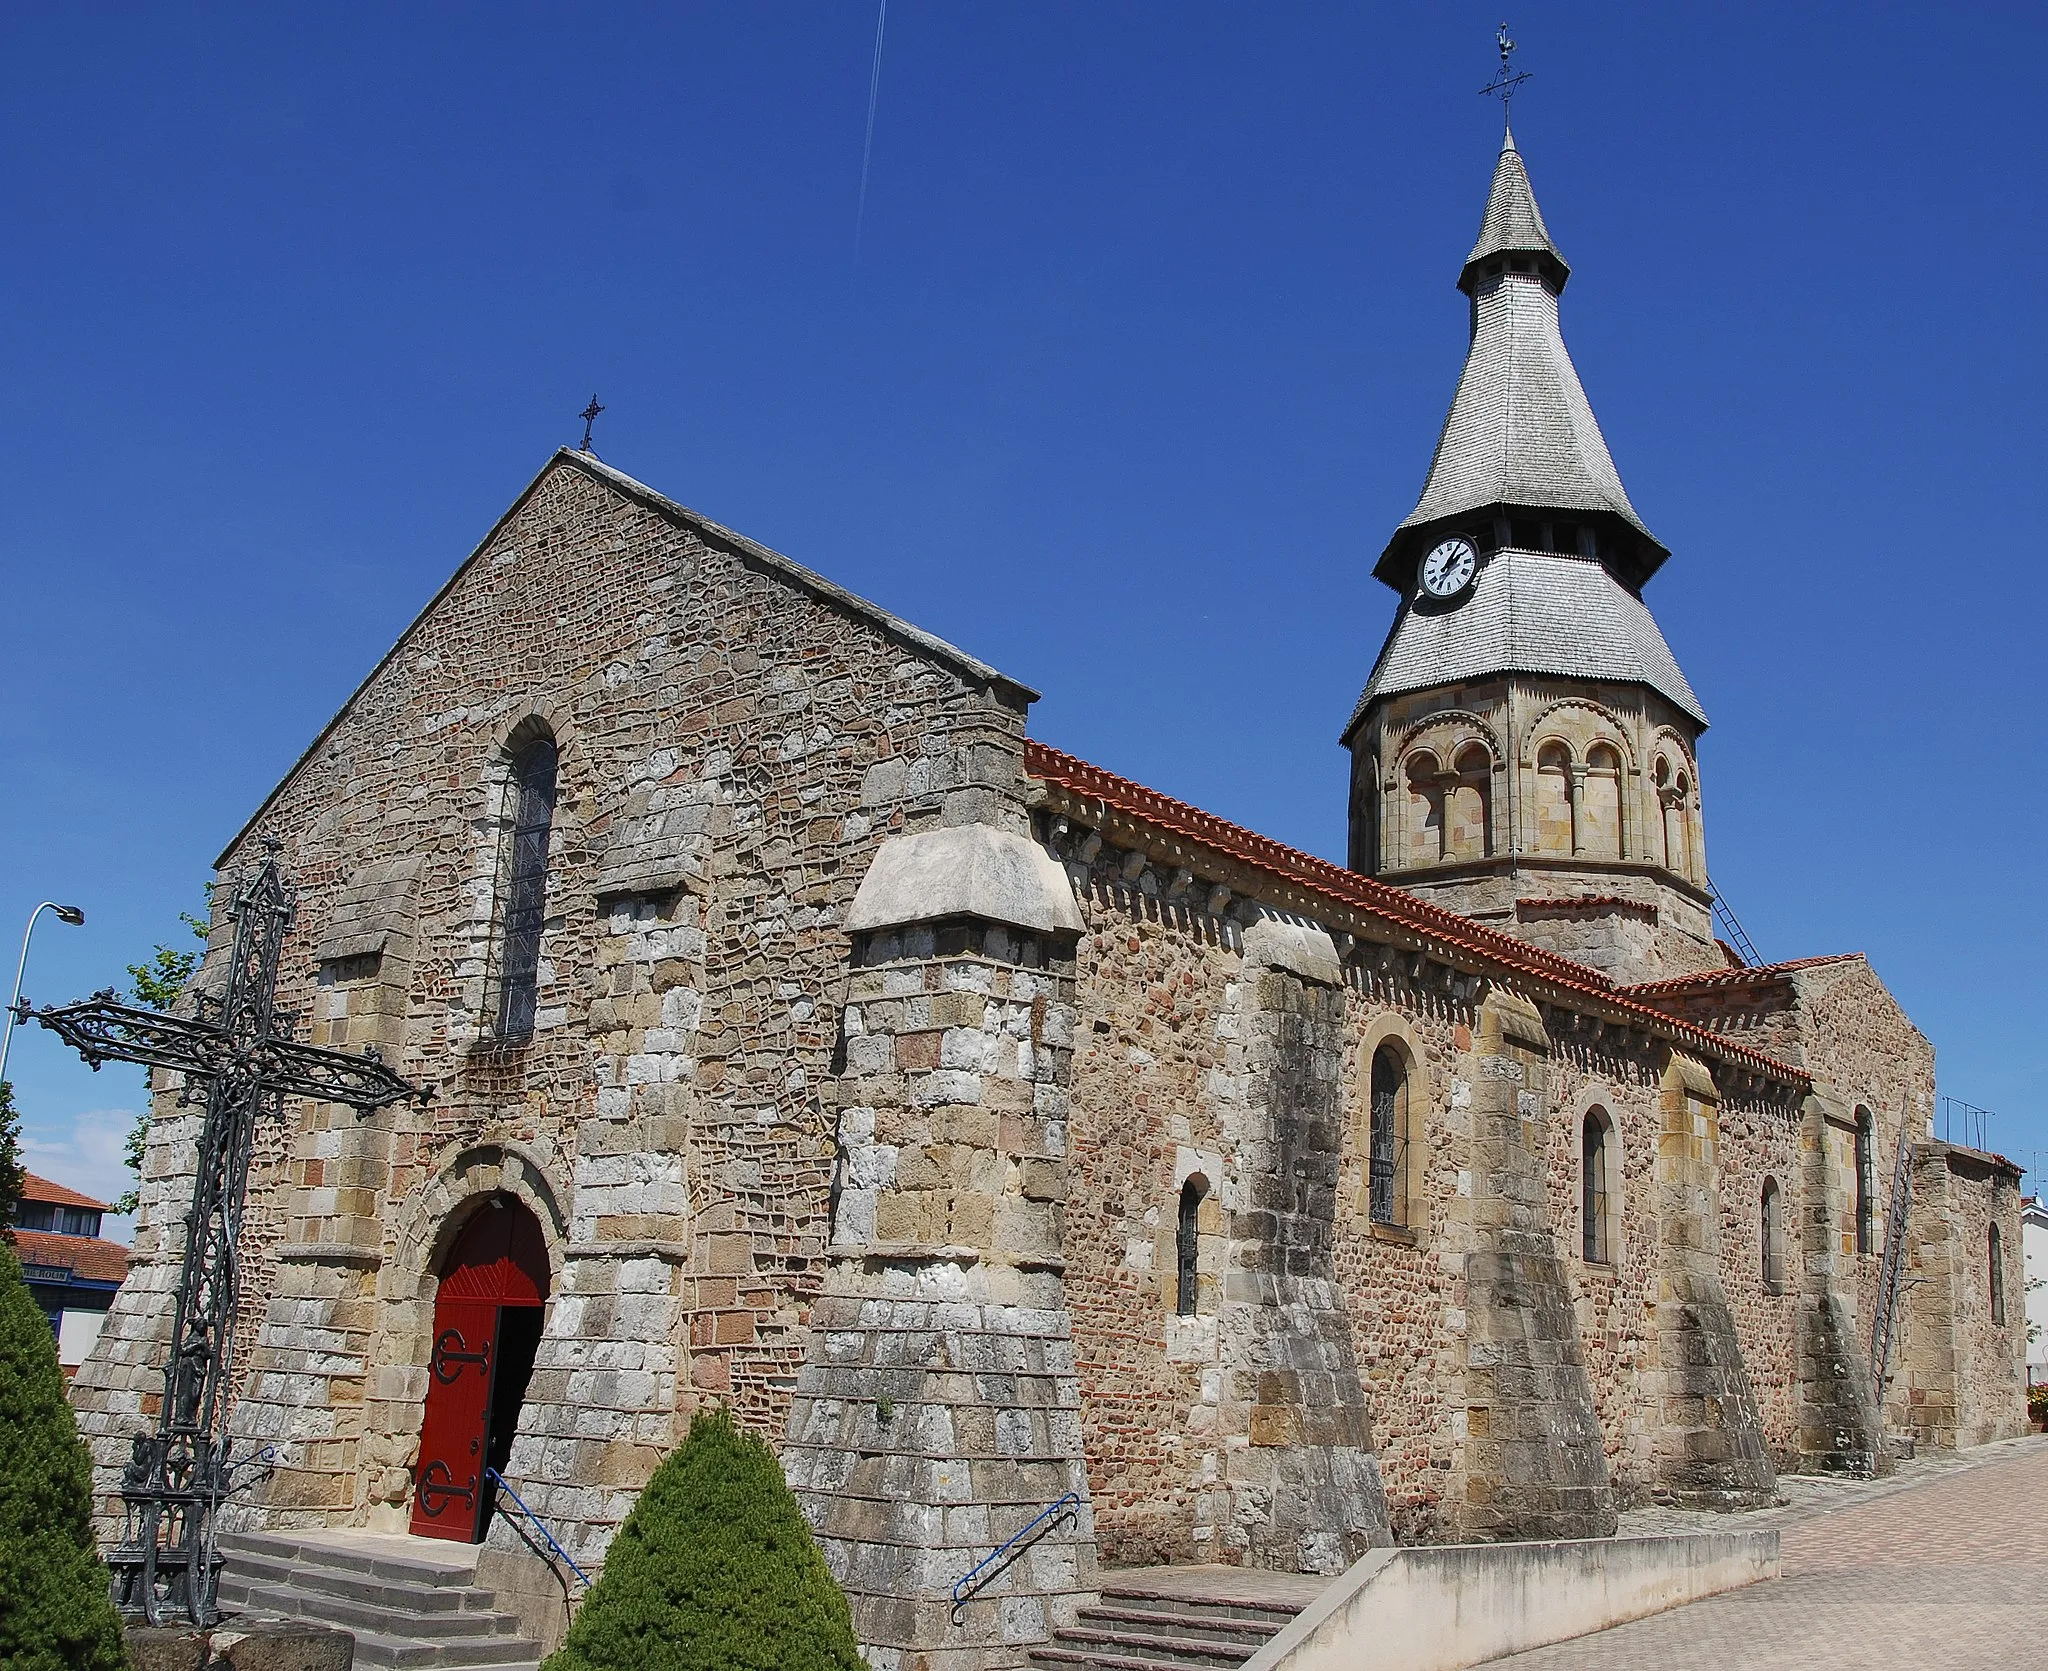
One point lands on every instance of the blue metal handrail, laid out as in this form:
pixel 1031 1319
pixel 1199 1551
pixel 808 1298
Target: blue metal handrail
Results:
pixel 506 1485
pixel 1068 1504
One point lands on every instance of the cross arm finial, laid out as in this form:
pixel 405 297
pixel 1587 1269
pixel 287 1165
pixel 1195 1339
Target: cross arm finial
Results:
pixel 1508 82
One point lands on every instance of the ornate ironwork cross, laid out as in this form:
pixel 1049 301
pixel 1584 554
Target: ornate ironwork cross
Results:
pixel 589 417
pixel 1509 82
pixel 240 1063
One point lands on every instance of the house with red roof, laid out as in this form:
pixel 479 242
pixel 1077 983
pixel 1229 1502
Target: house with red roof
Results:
pixel 72 1271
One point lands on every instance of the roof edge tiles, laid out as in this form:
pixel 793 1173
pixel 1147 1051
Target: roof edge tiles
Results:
pixel 90 1258
pixel 49 1193
pixel 1083 783
pixel 1755 974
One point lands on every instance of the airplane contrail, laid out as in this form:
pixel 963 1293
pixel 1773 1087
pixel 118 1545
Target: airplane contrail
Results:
pixel 867 149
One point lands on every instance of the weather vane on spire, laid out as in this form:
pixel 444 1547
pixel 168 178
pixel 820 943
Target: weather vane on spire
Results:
pixel 1506 84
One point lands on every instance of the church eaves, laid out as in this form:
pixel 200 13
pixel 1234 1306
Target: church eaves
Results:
pixel 1521 435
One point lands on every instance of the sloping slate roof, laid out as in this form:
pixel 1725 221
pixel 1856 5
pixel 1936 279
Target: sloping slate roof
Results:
pixel 1520 430
pixel 43 1190
pixel 1418 917
pixel 1513 221
pixel 1531 612
pixel 83 1256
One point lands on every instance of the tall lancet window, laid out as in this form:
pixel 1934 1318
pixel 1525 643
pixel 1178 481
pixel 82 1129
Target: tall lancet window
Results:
pixel 1997 1277
pixel 1187 1247
pixel 1387 1199
pixel 1866 1183
pixel 525 895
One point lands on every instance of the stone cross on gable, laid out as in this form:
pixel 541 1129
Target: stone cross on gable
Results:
pixel 240 1063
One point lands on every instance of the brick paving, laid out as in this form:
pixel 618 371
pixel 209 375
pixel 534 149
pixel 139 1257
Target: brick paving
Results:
pixel 1943 1568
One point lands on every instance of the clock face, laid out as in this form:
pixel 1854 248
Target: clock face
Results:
pixel 1448 570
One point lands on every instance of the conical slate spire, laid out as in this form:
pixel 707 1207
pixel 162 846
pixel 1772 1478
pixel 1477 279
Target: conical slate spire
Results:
pixel 1521 439
pixel 1513 223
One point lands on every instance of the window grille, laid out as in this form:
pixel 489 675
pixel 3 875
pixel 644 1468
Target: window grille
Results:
pixel 1386 1149
pixel 1188 1249
pixel 1593 1189
pixel 1866 1184
pixel 1997 1277
pixel 526 887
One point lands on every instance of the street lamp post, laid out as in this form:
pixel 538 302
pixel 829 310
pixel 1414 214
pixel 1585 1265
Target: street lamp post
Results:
pixel 65 914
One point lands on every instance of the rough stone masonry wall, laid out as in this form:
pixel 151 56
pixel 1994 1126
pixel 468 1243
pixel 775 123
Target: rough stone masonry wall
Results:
pixel 1961 1376
pixel 1240 1432
pixel 733 747
pixel 938 1413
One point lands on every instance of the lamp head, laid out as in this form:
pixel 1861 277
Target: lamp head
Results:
pixel 71 914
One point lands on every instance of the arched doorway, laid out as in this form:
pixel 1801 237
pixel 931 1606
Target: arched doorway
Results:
pixel 487 1317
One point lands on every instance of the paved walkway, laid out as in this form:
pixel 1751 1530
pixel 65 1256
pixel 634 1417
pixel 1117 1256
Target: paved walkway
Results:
pixel 1942 1568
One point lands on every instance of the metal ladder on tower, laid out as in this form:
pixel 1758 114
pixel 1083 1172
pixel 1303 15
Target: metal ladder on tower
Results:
pixel 1891 1272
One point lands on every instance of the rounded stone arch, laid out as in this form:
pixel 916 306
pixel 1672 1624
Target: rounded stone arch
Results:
pixel 1455 717
pixel 1392 1030
pixel 465 1175
pixel 1616 732
pixel 577 776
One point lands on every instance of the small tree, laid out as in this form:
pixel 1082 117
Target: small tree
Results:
pixel 714 1570
pixel 157 985
pixel 55 1614
pixel 11 1180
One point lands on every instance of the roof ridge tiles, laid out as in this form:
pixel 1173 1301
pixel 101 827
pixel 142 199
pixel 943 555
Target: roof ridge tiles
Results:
pixel 1347 887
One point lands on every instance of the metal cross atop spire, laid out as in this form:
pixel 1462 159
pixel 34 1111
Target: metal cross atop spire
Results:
pixel 240 1063
pixel 1509 81
pixel 589 417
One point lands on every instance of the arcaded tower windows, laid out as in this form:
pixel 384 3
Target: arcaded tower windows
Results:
pixel 1997 1277
pixel 1596 1159
pixel 1422 827
pixel 523 897
pixel 1387 1148
pixel 1772 1235
pixel 1188 1247
pixel 1599 821
pixel 1556 820
pixel 1866 1183
pixel 1468 810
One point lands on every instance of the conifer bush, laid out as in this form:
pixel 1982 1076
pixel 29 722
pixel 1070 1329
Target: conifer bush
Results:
pixel 714 1570
pixel 55 1614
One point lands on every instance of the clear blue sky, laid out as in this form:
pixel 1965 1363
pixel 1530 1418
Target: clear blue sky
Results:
pixel 1149 339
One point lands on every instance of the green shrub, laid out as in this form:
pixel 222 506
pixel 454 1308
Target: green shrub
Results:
pixel 714 1570
pixel 54 1611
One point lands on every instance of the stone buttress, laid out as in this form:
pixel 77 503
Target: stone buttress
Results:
pixel 1708 1447
pixel 938 1413
pixel 1534 1464
pixel 1302 1481
pixel 1839 1427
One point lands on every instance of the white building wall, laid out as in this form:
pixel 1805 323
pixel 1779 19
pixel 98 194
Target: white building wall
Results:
pixel 77 1330
pixel 2034 1255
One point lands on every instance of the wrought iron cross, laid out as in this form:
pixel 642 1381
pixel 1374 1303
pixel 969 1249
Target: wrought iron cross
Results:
pixel 240 1063
pixel 589 417
pixel 1509 81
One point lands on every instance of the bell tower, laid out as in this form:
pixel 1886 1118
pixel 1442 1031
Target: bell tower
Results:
pixel 1525 751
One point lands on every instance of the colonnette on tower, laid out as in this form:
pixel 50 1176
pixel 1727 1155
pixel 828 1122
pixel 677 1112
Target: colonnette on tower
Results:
pixel 985 1127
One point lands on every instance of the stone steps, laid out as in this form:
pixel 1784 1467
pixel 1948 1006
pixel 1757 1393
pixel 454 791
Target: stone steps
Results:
pixel 409 1603
pixel 1146 1623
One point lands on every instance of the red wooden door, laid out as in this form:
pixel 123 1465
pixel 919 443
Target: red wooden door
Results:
pixel 499 1261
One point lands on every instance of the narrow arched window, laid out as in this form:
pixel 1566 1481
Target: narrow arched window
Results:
pixel 1188 1247
pixel 1387 1145
pixel 532 793
pixel 1772 1230
pixel 1596 1146
pixel 1866 1183
pixel 1997 1277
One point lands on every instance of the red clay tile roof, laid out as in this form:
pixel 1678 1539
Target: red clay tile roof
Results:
pixel 1429 922
pixel 1588 902
pixel 85 1256
pixel 41 1189
pixel 1712 979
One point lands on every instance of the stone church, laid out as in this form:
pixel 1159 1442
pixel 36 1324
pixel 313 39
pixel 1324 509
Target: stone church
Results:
pixel 993 1132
